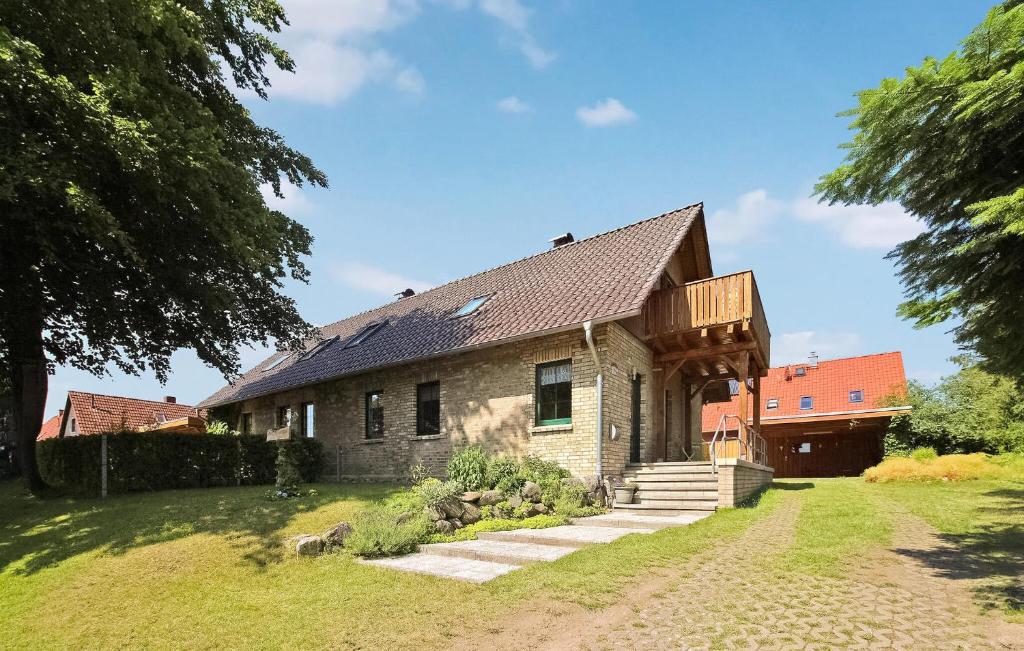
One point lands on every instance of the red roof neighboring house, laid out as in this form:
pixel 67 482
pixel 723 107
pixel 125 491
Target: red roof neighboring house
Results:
pixel 830 384
pixel 51 428
pixel 94 413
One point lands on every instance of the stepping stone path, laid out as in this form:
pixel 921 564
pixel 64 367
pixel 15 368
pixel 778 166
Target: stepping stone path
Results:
pixel 495 553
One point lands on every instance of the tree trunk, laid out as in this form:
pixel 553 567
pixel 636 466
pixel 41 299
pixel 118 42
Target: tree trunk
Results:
pixel 29 380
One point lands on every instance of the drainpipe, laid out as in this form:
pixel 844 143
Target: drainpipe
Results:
pixel 588 329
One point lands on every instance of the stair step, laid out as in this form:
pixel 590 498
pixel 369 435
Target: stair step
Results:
pixel 685 494
pixel 640 521
pixel 496 551
pixel 670 464
pixel 643 510
pixel 564 536
pixel 641 472
pixel 678 505
pixel 677 485
pixel 450 568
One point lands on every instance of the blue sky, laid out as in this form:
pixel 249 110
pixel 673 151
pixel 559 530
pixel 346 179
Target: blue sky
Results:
pixel 461 134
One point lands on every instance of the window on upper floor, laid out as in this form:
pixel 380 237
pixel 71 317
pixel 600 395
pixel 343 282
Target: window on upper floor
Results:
pixel 773 403
pixel 283 417
pixel 554 393
pixel 806 403
pixel 308 420
pixel 857 395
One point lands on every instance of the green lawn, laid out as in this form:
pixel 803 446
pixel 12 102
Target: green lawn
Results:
pixel 208 568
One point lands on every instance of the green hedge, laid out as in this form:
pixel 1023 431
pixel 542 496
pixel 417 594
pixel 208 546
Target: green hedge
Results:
pixel 150 461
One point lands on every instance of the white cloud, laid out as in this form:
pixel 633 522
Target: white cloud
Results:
pixel 328 73
pixel 293 203
pixel 862 227
pixel 374 280
pixel 608 113
pixel 348 17
pixel 516 17
pixel 753 211
pixel 513 104
pixel 410 81
pixel 795 347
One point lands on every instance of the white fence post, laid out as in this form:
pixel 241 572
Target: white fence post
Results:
pixel 103 466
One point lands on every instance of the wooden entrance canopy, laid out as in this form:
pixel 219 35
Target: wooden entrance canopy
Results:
pixel 708 331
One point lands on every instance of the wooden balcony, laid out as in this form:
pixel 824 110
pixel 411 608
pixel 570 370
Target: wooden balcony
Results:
pixel 709 318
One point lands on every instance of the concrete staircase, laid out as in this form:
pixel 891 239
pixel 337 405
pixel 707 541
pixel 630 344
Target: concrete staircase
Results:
pixel 672 488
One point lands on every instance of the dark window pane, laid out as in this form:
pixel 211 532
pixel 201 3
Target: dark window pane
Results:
pixel 554 392
pixel 428 408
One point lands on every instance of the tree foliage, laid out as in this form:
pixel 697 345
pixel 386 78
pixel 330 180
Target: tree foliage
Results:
pixel 132 218
pixel 947 141
pixel 970 411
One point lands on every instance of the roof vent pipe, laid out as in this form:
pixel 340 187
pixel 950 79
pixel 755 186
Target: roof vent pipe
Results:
pixel 406 293
pixel 588 329
pixel 561 240
pixel 813 359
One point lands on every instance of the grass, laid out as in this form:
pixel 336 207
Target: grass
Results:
pixel 208 568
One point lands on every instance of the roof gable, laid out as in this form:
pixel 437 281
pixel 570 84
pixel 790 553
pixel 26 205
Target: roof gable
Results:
pixel 829 385
pixel 600 278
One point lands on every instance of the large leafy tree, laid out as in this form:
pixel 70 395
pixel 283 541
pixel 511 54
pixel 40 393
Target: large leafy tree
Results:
pixel 131 218
pixel 947 141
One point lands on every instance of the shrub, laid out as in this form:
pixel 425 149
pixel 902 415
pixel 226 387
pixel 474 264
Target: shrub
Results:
pixel 499 470
pixel 572 502
pixel 219 427
pixel 468 467
pixel 952 467
pixel 922 454
pixel 404 502
pixel 379 531
pixel 147 461
pixel 434 491
pixel 288 477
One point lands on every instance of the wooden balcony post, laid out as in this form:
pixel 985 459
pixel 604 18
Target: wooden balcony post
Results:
pixel 658 396
pixel 742 370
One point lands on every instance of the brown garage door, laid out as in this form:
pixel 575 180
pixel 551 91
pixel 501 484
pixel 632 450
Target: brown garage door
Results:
pixel 835 454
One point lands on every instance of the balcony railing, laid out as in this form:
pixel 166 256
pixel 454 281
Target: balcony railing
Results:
pixel 720 301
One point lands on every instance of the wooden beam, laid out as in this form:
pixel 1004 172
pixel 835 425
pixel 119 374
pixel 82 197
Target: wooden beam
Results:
pixel 710 351
pixel 673 369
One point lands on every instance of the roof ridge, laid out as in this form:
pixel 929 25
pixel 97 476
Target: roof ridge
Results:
pixel 107 395
pixel 842 359
pixel 516 261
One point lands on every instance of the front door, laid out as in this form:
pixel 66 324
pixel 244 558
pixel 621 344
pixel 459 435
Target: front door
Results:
pixel 634 434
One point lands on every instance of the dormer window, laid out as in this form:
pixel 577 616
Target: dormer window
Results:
pixel 857 395
pixel 801 371
pixel 773 403
pixel 318 348
pixel 277 362
pixel 365 334
pixel 472 306
pixel 806 403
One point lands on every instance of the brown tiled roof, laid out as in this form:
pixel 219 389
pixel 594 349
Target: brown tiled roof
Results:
pixel 96 413
pixel 599 278
pixel 51 428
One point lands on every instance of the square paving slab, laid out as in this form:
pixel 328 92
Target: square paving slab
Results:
pixel 452 568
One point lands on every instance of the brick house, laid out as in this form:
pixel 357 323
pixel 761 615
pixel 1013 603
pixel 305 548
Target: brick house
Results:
pixel 94 413
pixel 824 418
pixel 594 354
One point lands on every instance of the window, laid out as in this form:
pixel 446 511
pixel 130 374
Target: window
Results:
pixel 801 371
pixel 277 362
pixel 375 415
pixel 318 348
pixel 472 306
pixel 428 408
pixel 74 425
pixel 806 402
pixel 308 420
pixel 734 387
pixel 246 424
pixel 554 393
pixel 773 403
pixel 365 334
pixel 805 448
pixel 284 417
pixel 857 395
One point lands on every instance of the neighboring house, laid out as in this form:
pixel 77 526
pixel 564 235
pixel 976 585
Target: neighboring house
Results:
pixel 622 334
pixel 824 419
pixel 94 413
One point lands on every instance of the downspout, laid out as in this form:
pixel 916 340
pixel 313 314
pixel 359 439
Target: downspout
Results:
pixel 588 329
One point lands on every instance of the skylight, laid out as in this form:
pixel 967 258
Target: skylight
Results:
pixel 318 348
pixel 806 403
pixel 857 395
pixel 472 306
pixel 277 362
pixel 773 403
pixel 801 371
pixel 365 334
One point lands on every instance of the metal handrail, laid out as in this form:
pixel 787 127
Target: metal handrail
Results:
pixel 752 447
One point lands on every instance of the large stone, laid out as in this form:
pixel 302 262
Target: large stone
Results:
pixel 540 507
pixel 433 514
pixel 470 496
pixel 452 507
pixel 456 523
pixel 470 513
pixel 309 545
pixel 490 498
pixel 515 501
pixel 531 491
pixel 530 509
pixel 336 535
pixel 443 526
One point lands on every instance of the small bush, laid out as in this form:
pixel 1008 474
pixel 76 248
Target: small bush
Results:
pixel 404 502
pixel 468 467
pixel 379 531
pixel 288 476
pixel 572 502
pixel 923 454
pixel 500 469
pixel 434 491
pixel 952 467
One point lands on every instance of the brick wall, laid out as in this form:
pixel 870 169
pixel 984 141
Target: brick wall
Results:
pixel 487 398
pixel 739 479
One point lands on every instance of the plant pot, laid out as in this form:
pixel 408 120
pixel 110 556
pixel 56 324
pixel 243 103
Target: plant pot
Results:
pixel 624 494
